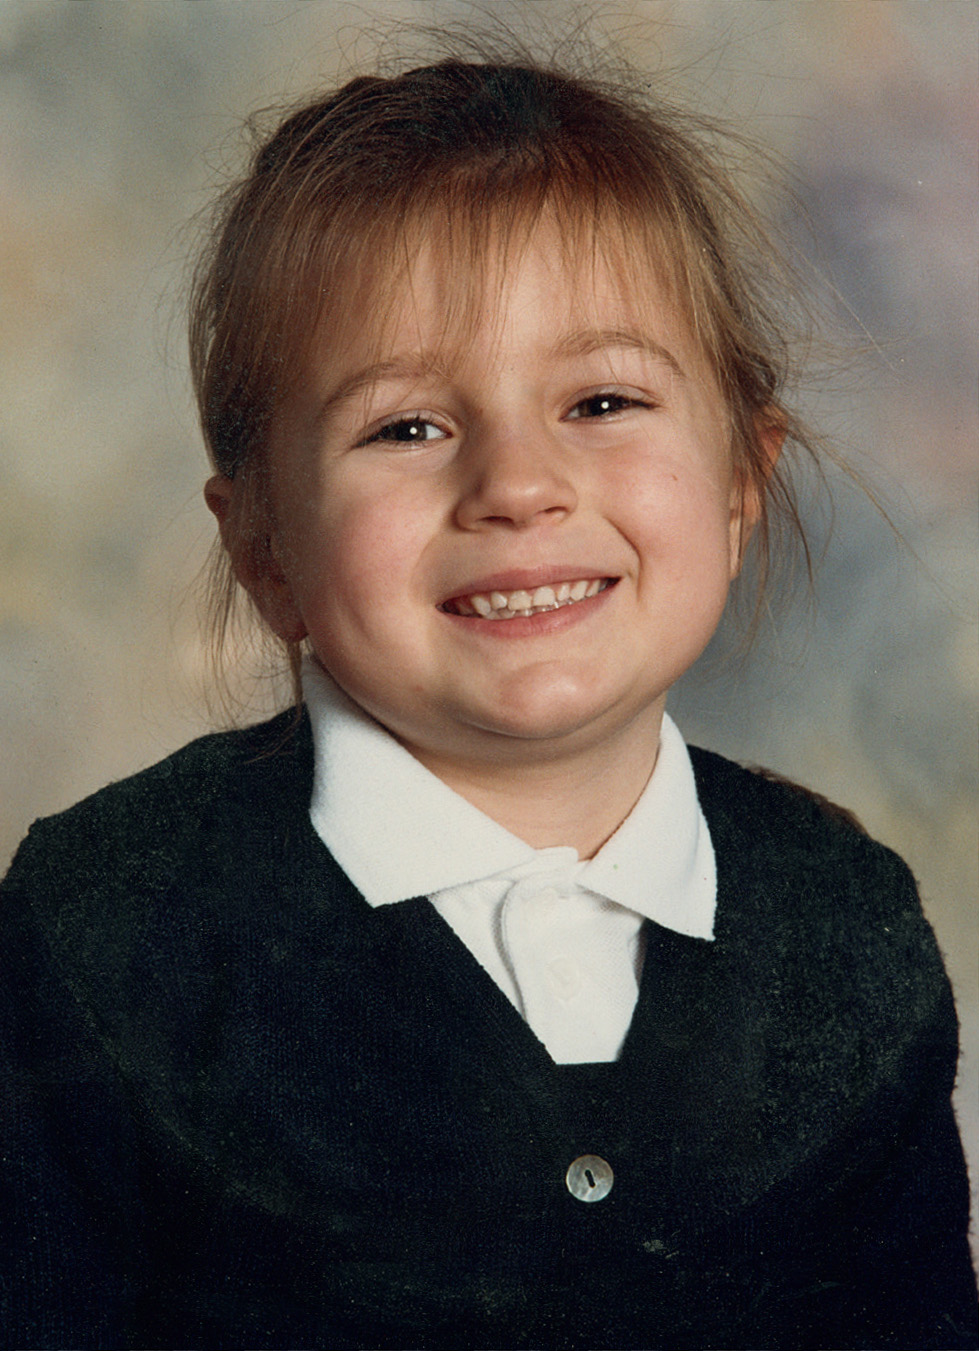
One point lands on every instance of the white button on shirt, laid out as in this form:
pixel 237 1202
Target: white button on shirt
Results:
pixel 561 937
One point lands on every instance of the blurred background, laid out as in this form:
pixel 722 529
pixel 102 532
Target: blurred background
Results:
pixel 118 122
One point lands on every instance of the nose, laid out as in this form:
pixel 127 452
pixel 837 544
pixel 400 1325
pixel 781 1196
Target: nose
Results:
pixel 515 478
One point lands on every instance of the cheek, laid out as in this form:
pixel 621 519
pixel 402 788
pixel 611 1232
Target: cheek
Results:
pixel 679 523
pixel 360 554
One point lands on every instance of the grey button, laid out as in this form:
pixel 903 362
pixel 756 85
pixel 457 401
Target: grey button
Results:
pixel 589 1178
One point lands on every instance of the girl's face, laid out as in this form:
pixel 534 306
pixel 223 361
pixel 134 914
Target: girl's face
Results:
pixel 513 555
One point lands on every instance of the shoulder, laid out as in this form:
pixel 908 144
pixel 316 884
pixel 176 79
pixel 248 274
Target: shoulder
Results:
pixel 810 860
pixel 139 831
pixel 132 903
pixel 183 783
pixel 766 818
pixel 799 878
pixel 821 913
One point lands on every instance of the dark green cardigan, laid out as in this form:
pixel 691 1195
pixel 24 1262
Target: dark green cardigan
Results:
pixel 242 1108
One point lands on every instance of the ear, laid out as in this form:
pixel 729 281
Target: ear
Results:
pixel 749 487
pixel 249 541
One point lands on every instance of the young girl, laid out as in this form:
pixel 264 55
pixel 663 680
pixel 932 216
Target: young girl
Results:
pixel 467 1007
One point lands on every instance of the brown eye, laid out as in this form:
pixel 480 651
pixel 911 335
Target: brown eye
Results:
pixel 407 431
pixel 603 405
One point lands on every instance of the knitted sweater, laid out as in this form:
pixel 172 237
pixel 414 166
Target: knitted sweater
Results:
pixel 242 1108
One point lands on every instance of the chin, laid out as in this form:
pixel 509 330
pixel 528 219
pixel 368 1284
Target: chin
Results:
pixel 551 729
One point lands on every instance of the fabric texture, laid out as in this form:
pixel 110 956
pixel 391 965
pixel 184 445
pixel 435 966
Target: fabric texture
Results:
pixel 243 1108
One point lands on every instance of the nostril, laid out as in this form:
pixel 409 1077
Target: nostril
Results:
pixel 521 519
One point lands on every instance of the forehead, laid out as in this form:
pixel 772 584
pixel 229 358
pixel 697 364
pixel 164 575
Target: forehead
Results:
pixel 445 290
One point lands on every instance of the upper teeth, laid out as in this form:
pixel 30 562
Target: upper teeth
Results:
pixel 510 604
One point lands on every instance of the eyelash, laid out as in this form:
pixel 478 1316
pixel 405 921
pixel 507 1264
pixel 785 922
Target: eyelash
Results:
pixel 618 404
pixel 417 420
pixel 619 401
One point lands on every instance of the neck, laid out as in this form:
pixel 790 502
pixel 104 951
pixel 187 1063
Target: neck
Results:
pixel 579 799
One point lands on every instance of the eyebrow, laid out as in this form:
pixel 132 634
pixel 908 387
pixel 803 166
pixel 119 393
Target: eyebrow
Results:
pixel 591 340
pixel 409 367
pixel 413 366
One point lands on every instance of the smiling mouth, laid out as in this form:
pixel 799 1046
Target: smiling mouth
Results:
pixel 525 604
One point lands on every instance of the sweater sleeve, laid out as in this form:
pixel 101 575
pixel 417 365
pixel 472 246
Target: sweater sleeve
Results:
pixel 847 1068
pixel 919 1288
pixel 895 1246
pixel 893 1238
pixel 69 1240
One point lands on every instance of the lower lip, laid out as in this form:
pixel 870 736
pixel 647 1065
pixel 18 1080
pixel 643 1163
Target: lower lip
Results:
pixel 535 626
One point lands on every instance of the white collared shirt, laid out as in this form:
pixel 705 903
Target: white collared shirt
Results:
pixel 559 936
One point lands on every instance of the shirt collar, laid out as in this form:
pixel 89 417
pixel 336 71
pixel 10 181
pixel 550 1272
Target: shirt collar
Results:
pixel 398 831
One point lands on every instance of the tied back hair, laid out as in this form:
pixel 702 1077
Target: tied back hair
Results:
pixel 469 153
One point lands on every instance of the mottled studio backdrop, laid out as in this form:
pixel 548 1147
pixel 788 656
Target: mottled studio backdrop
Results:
pixel 116 118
